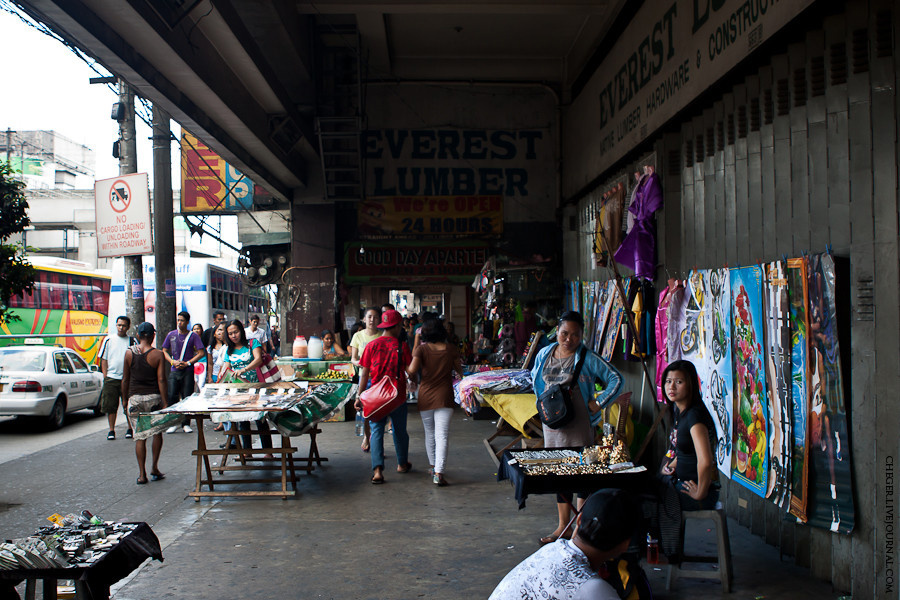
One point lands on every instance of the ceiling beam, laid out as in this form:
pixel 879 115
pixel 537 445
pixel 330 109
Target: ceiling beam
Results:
pixel 495 7
pixel 373 31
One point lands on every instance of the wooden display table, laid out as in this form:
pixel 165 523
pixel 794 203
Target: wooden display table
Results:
pixel 283 461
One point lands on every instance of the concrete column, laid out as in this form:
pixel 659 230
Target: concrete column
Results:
pixel 163 227
pixel 313 250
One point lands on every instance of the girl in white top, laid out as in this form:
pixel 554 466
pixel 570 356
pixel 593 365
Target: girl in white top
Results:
pixel 358 344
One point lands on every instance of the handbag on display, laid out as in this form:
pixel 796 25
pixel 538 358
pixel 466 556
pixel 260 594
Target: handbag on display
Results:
pixel 268 371
pixel 554 405
pixel 383 398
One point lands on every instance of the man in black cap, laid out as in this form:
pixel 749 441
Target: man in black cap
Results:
pixel 568 569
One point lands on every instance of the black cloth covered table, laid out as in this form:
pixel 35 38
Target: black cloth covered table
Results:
pixel 122 559
pixel 555 484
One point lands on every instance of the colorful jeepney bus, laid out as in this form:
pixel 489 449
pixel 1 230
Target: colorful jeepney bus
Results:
pixel 69 306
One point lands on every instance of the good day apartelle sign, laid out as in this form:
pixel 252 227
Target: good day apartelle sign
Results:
pixel 123 216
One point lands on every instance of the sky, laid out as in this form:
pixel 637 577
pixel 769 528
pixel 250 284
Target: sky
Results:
pixel 45 86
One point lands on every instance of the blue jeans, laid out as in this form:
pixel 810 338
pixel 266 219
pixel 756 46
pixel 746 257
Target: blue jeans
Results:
pixel 401 438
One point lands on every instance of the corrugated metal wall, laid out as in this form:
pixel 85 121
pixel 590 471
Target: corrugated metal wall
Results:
pixel 800 154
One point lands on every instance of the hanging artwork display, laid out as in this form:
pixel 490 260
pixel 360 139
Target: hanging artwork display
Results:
pixel 799 302
pixel 691 337
pixel 778 377
pixel 751 429
pixel 607 293
pixel 831 493
pixel 717 375
pixel 615 320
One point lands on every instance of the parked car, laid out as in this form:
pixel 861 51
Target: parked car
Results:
pixel 47 382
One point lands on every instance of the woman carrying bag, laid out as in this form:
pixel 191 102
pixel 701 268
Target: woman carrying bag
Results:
pixel 387 357
pixel 437 359
pixel 556 365
pixel 241 358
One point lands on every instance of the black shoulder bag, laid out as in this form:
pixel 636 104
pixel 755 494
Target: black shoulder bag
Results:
pixel 554 406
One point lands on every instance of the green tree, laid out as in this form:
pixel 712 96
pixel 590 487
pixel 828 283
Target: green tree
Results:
pixel 16 273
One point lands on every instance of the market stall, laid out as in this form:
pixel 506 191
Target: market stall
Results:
pixel 570 470
pixel 92 553
pixel 292 408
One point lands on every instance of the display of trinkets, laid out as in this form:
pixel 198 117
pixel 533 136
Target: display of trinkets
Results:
pixel 608 457
pixel 72 541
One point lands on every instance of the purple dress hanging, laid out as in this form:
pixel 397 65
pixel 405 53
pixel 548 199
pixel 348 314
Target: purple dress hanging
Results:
pixel 638 250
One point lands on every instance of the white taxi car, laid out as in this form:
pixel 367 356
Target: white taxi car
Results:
pixel 48 382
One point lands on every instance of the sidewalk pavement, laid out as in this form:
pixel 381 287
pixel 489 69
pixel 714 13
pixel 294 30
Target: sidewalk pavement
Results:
pixel 340 537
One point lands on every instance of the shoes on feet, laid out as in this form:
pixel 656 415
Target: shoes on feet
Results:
pixel 187 429
pixel 172 429
pixel 111 435
pixel 129 434
pixel 439 480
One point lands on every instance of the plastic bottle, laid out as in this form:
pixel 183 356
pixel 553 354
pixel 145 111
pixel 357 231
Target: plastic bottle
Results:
pixel 360 423
pixel 652 550
pixel 316 347
pixel 300 348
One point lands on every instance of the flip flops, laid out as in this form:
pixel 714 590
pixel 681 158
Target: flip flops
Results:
pixel 139 481
pixel 378 480
pixel 405 468
pixel 157 476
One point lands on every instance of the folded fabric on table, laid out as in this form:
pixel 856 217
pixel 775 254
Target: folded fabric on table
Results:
pixel 467 392
pixel 319 404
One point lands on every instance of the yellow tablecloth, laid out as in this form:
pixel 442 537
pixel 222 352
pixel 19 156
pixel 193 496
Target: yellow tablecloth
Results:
pixel 516 409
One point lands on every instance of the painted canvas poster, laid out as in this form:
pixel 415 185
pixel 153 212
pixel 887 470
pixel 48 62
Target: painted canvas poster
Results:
pixel 605 301
pixel 831 493
pixel 588 303
pixel 778 374
pixel 751 432
pixel 692 338
pixel 799 303
pixel 716 377
pixel 615 320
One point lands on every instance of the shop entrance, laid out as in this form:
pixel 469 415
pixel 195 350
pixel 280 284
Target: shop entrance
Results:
pixel 451 301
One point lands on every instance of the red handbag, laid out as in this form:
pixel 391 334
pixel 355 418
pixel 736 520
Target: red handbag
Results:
pixel 383 398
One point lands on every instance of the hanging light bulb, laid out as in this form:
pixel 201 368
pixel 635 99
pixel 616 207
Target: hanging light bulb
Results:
pixel 362 250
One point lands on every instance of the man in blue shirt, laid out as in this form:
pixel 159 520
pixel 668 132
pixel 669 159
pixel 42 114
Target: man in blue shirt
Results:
pixel 188 348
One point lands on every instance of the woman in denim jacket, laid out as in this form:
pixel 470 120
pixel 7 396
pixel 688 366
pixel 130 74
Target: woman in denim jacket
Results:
pixel 555 364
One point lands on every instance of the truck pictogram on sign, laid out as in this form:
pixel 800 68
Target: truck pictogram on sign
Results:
pixel 119 196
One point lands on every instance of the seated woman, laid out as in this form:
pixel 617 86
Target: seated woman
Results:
pixel 332 349
pixel 688 472
pixel 556 364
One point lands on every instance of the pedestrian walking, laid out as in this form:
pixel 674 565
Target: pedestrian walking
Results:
pixel 358 345
pixel 112 364
pixel 182 343
pixel 275 336
pixel 201 365
pixel 379 360
pixel 260 334
pixel 436 359
pixel 144 385
pixel 218 317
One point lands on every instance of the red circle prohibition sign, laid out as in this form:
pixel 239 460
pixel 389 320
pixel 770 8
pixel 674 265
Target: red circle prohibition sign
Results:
pixel 120 195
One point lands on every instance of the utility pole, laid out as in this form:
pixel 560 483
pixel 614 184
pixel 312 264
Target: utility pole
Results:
pixel 134 267
pixel 8 145
pixel 163 226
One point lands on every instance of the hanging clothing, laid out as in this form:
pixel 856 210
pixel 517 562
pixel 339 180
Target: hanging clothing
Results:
pixel 663 313
pixel 641 301
pixel 638 250
pixel 609 225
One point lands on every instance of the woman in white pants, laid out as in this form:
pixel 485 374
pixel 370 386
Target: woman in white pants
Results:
pixel 436 359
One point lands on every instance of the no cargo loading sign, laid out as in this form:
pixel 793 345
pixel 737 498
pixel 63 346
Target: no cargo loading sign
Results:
pixel 123 216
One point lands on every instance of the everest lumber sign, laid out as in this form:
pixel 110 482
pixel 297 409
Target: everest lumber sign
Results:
pixel 669 54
